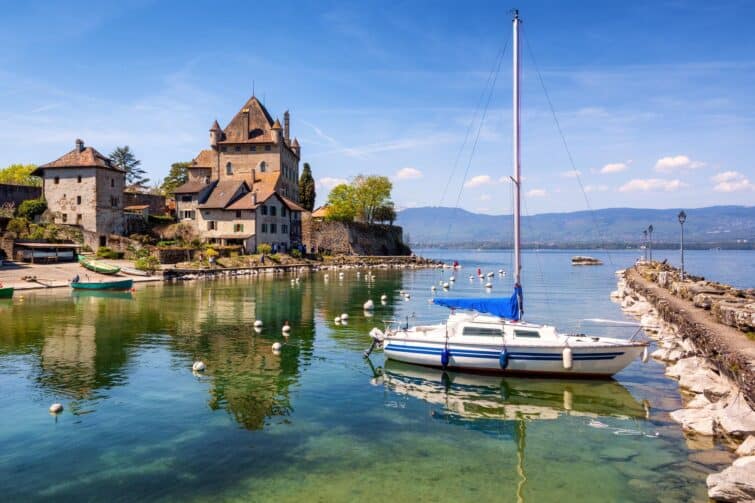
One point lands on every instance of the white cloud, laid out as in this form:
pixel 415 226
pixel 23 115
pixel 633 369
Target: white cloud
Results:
pixel 536 193
pixel 596 188
pixel 614 167
pixel 731 181
pixel 651 184
pixel 478 181
pixel 485 197
pixel 572 173
pixel 408 174
pixel 328 182
pixel 671 163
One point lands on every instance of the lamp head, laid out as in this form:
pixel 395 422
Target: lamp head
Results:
pixel 682 217
pixel 650 229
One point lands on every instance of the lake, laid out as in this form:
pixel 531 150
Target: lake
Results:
pixel 318 422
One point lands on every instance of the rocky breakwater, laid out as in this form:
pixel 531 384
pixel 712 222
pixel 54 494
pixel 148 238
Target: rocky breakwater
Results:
pixel 704 334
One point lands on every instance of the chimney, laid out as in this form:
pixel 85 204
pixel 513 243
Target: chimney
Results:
pixel 286 124
pixel 246 123
pixel 254 198
pixel 79 145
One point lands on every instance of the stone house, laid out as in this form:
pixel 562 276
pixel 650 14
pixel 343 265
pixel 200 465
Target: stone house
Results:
pixel 85 188
pixel 245 188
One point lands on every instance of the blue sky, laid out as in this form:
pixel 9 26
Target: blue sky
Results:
pixel 655 98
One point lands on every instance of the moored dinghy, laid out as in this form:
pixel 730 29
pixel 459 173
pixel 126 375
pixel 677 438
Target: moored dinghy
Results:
pixel 6 293
pixel 125 284
pixel 491 337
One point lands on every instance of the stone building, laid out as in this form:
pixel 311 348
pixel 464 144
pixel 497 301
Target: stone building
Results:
pixel 244 189
pixel 85 188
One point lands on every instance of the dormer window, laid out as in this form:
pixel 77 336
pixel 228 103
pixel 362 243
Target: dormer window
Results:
pixel 229 169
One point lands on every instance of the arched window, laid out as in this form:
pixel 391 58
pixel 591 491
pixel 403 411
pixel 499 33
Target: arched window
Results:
pixel 229 169
pixel 263 167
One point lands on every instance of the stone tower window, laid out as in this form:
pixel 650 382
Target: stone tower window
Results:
pixel 112 182
pixel 56 180
pixel 263 167
pixel 229 169
pixel 79 179
pixel 78 198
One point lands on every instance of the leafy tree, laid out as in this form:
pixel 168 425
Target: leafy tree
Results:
pixel 385 213
pixel 264 248
pixel 342 203
pixel 32 208
pixel 307 188
pixel 371 193
pixel 177 176
pixel 20 174
pixel 124 159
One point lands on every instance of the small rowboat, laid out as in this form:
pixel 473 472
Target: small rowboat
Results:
pixel 125 284
pixel 99 267
pixel 134 272
pixel 6 293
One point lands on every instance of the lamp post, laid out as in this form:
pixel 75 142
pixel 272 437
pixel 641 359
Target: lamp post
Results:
pixel 650 241
pixel 682 219
pixel 645 244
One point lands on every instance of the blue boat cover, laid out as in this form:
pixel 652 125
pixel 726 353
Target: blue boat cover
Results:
pixel 508 308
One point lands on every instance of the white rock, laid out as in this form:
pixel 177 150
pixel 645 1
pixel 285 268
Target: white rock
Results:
pixel 698 402
pixel 736 483
pixel 56 408
pixel 686 365
pixel 198 366
pixel 736 418
pixel 744 461
pixel 699 421
pixel 747 448
pixel 704 381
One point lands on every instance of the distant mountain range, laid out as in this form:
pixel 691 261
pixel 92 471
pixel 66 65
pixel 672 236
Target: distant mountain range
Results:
pixel 725 226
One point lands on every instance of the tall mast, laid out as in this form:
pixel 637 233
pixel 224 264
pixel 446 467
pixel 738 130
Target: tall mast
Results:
pixel 517 167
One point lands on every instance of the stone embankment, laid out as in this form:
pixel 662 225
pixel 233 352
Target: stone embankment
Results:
pixel 703 331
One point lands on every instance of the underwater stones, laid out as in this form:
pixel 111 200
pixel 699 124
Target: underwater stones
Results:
pixel 747 448
pixel 617 453
pixel 736 483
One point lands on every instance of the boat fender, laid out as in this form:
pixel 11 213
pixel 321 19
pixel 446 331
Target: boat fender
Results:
pixel 445 356
pixel 568 399
pixel 567 357
pixel 645 354
pixel 503 359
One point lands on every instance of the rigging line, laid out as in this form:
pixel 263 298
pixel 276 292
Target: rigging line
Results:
pixel 477 136
pixel 471 124
pixel 566 145
pixel 548 306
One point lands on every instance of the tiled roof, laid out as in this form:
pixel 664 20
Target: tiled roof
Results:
pixel 320 212
pixel 245 202
pixel 291 205
pixel 88 157
pixel 223 193
pixel 190 187
pixel 136 207
pixel 259 123
pixel 205 159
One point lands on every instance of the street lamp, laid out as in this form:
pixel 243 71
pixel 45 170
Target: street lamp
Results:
pixel 645 243
pixel 682 219
pixel 650 242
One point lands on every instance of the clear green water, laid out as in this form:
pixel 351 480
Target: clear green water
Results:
pixel 318 422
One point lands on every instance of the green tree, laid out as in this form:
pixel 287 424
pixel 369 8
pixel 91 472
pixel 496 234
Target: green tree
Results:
pixel 371 192
pixel 342 203
pixel 177 176
pixel 307 188
pixel 385 213
pixel 20 174
pixel 124 159
pixel 32 208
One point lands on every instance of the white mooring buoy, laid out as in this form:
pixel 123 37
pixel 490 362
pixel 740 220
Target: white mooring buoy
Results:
pixel 337 319
pixel 383 297
pixel 344 316
pixel 258 324
pixel 56 408
pixel 277 346
pixel 488 285
pixel 286 328
pixel 198 366
pixel 369 305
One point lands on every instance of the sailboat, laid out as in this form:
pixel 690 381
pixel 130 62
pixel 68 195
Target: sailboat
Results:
pixel 488 335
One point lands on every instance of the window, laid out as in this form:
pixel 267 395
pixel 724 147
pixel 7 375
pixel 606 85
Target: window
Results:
pixel 78 199
pixel 79 218
pixel 264 209
pixel 78 179
pixel 186 199
pixel 238 148
pixel 284 229
pixel 268 148
pixel 65 217
pixel 187 215
pixel 229 169
pixel 263 167
pixel 482 331
pixel 283 211
pixel 253 148
pixel 56 180
pixel 272 211
pixel 273 229
pixel 532 334
pixel 222 149
pixel 264 228
pixel 212 225
pixel 238 213
pixel 238 228
pixel 113 201
pixel 112 182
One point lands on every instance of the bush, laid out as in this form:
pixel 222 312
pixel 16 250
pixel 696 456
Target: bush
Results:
pixel 32 208
pixel 148 263
pixel 209 252
pixel 161 219
pixel 165 244
pixel 105 252
pixel 295 253
pixel 19 226
pixel 264 249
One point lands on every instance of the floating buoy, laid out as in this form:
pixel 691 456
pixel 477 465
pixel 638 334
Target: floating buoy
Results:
pixel 337 319
pixel 407 297
pixel 56 408
pixel 503 359
pixel 432 288
pixel 277 346
pixel 257 323
pixel 257 330
pixel 645 354
pixel 567 358
pixel 500 271
pixel 488 285
pixel 451 279
pixel 384 302
pixel 490 274
pixel 344 316
pixel 286 327
pixel 198 366
pixel 445 286
pixel 471 277
pixel 369 305
pixel 384 297
pixel 368 313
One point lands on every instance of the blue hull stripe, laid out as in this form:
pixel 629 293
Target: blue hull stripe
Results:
pixel 466 353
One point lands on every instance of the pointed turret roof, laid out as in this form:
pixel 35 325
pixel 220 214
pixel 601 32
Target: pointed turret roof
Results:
pixel 295 142
pixel 215 126
pixel 277 125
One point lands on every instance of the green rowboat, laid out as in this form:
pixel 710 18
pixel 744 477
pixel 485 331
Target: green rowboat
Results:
pixel 99 267
pixel 125 284
pixel 6 293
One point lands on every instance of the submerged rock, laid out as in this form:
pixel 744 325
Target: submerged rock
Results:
pixel 736 483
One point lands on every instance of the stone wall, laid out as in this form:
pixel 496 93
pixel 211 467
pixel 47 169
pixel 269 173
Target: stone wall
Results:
pixel 17 194
pixel 155 202
pixel 353 238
